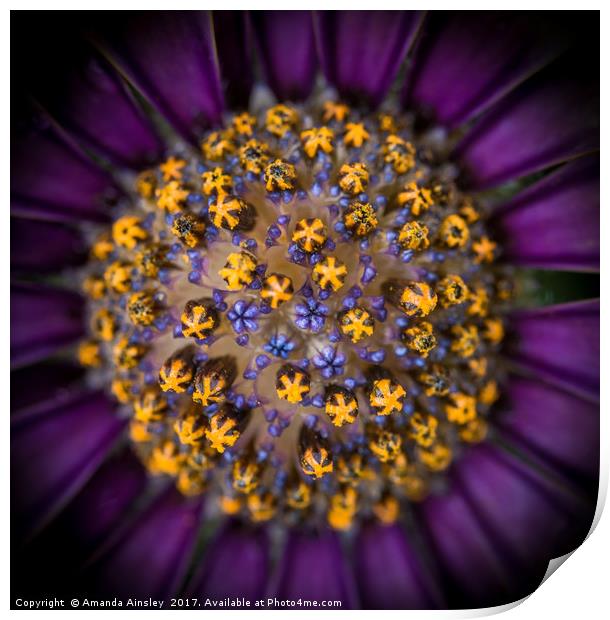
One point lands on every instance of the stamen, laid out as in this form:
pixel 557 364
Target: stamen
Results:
pixel 171 169
pixel 335 112
pixel 384 443
pixel 342 509
pixel 244 124
pixel 315 456
pixel 280 119
pixel 298 495
pixel 246 474
pixel 353 178
pixel 142 308
pixel 254 156
pixel 189 428
pixel 357 323
pixel 102 247
pixel 279 176
pixel 341 405
pixel 422 429
pixel 292 384
pixel 317 140
pixel 105 325
pixel 146 184
pixel 418 199
pixel 415 299
pixel 150 405
pixel 360 219
pixel 232 213
pixel 414 236
pixel 199 318
pixel 217 145
pixel 330 273
pixel 461 408
pixel 386 396
pixel 355 135
pixel 239 270
pixel 176 373
pixel 420 338
pixel 89 354
pixel 225 428
pixel 310 234
pixel 399 153
pixel 277 289
pixel 454 231
pixel 465 340
pixel 118 277
pixel 387 509
pixel 261 506
pixel 171 197
pixel 213 379
pixel 452 290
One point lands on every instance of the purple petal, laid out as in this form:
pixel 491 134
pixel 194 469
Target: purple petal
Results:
pixel 549 119
pixel 554 224
pixel 466 61
pixel 104 502
pixel 54 452
pixel 235 546
pixel 476 573
pixel 313 568
pixel 91 101
pixel 518 508
pixel 233 45
pixel 560 345
pixel 52 179
pixel 42 321
pixel 44 246
pixel 170 58
pixel 149 558
pixel 361 51
pixel 562 429
pixel 42 385
pixel 389 572
pixel 286 44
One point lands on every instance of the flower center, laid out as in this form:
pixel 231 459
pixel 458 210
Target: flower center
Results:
pixel 302 319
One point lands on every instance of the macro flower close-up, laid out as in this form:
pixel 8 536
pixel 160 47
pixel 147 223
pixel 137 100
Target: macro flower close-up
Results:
pixel 304 305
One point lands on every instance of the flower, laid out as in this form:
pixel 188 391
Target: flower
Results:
pixel 310 315
pixel 345 232
pixel 330 362
pixel 243 316
pixel 279 345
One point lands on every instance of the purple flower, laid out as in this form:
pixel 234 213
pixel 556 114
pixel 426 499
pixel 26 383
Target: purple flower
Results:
pixel 421 406
pixel 329 361
pixel 279 345
pixel 310 315
pixel 243 316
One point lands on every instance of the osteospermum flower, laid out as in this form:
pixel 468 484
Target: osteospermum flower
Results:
pixel 297 320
